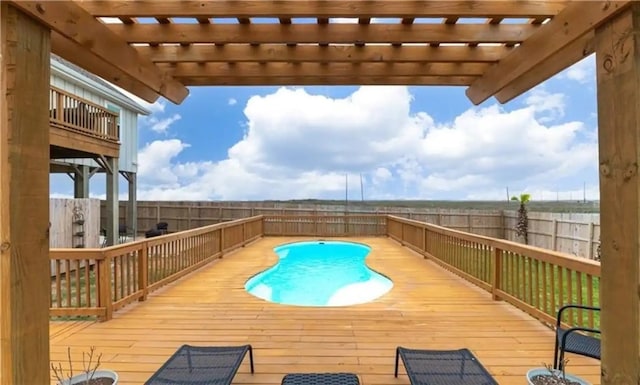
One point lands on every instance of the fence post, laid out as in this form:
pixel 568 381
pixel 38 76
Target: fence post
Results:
pixel 244 233
pixel 497 273
pixel 590 241
pixel 143 271
pixel 104 286
pixel 221 242
pixel 424 242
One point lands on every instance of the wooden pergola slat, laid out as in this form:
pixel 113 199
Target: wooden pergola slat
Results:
pixel 325 8
pixel 348 70
pixel 281 53
pixel 335 80
pixel 312 33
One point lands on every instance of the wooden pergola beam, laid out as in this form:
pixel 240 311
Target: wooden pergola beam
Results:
pixel 329 33
pixel 73 52
pixel 556 63
pixel 576 20
pixel 329 80
pixel 302 70
pixel 315 53
pixel 71 21
pixel 323 8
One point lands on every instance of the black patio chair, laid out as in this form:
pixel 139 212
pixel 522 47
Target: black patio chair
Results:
pixel 443 367
pixel 573 339
pixel 202 365
pixel 163 227
pixel 123 232
pixel 320 379
pixel 152 233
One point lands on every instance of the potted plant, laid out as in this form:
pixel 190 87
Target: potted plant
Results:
pixel 549 376
pixel 90 374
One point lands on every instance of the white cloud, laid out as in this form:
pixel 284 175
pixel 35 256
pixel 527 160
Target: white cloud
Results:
pixel 155 167
pixel 300 145
pixel 155 108
pixel 162 125
pixel 232 101
pixel 582 72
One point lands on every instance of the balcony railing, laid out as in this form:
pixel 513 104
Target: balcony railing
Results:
pixel 72 113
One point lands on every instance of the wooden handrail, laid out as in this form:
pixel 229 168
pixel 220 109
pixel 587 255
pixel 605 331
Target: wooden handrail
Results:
pixel 73 113
pixel 535 280
pixel 97 282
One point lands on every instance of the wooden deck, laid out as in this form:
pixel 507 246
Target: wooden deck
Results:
pixel 427 308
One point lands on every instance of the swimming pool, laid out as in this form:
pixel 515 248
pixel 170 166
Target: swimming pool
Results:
pixel 320 273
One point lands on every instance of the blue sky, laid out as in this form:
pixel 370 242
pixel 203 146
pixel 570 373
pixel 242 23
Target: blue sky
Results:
pixel 254 143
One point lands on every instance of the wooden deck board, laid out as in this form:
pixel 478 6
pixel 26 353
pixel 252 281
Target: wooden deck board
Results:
pixel 427 308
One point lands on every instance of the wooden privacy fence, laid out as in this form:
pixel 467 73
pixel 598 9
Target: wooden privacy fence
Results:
pixel 325 225
pixel 97 282
pixel 535 280
pixel 571 233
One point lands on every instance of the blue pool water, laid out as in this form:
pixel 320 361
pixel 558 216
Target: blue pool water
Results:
pixel 320 273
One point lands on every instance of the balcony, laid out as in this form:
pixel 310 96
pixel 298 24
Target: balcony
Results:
pixel 81 128
pixel 451 290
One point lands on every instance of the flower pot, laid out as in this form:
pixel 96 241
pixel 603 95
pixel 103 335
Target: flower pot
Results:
pixel 82 378
pixel 570 378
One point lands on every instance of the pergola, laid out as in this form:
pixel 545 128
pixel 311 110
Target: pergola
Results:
pixel 495 48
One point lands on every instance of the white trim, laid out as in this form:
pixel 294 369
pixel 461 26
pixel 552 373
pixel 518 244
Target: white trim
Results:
pixel 63 71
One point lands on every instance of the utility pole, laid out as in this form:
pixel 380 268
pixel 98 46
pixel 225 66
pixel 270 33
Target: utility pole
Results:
pixel 346 191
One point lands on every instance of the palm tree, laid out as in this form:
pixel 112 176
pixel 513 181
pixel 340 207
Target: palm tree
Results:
pixel 522 227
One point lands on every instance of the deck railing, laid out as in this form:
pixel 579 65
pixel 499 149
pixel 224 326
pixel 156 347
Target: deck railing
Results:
pixel 72 113
pixel 535 280
pixel 96 282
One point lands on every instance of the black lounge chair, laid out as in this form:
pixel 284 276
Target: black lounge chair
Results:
pixel 320 379
pixel 202 365
pixel 573 340
pixel 443 367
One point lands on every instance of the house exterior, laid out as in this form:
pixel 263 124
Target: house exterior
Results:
pixel 94 130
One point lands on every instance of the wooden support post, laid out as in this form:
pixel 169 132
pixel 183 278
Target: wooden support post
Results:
pixel 618 74
pixel 554 234
pixel 81 182
pixel 105 298
pixel 24 199
pixel 113 203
